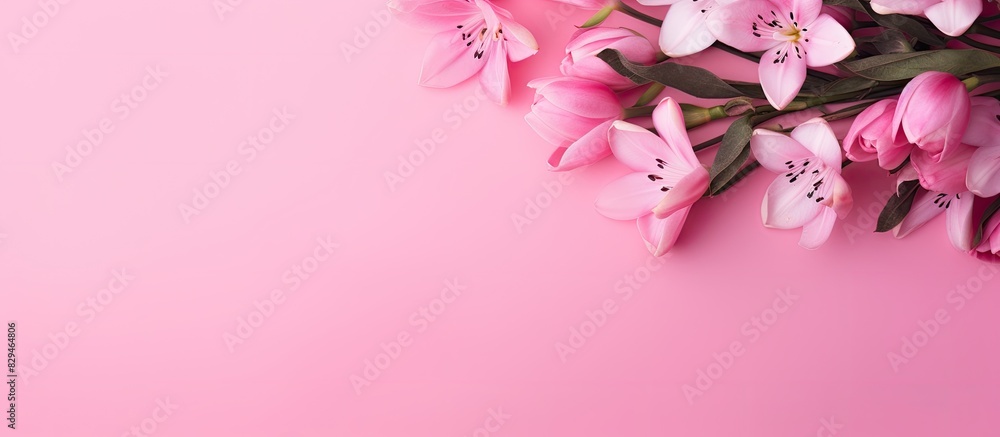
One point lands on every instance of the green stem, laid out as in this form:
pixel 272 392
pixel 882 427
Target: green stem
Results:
pixel 706 144
pixel 651 94
pixel 640 111
pixel 630 11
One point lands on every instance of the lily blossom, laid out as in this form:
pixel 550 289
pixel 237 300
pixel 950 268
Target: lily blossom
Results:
pixel 951 17
pixel 793 34
pixel 667 177
pixel 474 37
pixel 809 192
pixel 929 204
pixel 685 29
pixel 983 132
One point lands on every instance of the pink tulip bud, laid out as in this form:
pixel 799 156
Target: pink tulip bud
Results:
pixel 582 61
pixel 870 137
pixel 574 114
pixel 933 113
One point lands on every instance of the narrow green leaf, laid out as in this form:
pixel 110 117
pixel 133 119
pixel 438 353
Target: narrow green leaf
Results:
pixel 904 66
pixel 987 215
pixel 898 206
pixel 733 152
pixel 692 80
pixel 846 85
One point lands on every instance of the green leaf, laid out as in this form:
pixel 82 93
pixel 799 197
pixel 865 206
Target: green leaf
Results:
pixel 987 215
pixel 733 153
pixel 692 80
pixel 846 85
pixel 904 66
pixel 898 206
pixel 892 21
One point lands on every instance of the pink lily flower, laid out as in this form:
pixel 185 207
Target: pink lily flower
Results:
pixel 582 61
pixel 929 204
pixel 871 137
pixel 951 17
pixel 685 29
pixel 574 114
pixel 793 35
pixel 809 192
pixel 667 180
pixel 474 37
pixel 983 132
pixel 933 112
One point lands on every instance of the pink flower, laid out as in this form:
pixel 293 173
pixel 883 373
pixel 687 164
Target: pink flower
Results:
pixel 810 192
pixel 667 178
pixel 581 60
pixel 929 204
pixel 592 5
pixel 793 34
pixel 870 137
pixel 933 112
pixel 685 29
pixel 474 37
pixel 574 114
pixel 951 17
pixel 983 132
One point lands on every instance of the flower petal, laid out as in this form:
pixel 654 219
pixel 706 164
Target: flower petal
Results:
pixel 945 176
pixel 984 127
pixel 954 17
pixel 643 151
pixel 800 11
pixel 983 178
pixel 520 42
pixel 786 206
pixel 684 193
pixel 817 231
pixel 775 150
pixel 685 29
pixel 817 136
pixel 668 118
pixel 782 73
pixel 733 24
pixel 661 234
pixel 629 197
pixel 826 42
pixel 924 208
pixel 449 61
pixel 587 150
pixel 959 218
pixel 494 78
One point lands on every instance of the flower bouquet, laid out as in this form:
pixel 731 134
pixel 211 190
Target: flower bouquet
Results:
pixel 914 78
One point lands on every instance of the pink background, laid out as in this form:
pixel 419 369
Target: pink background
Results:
pixel 821 365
